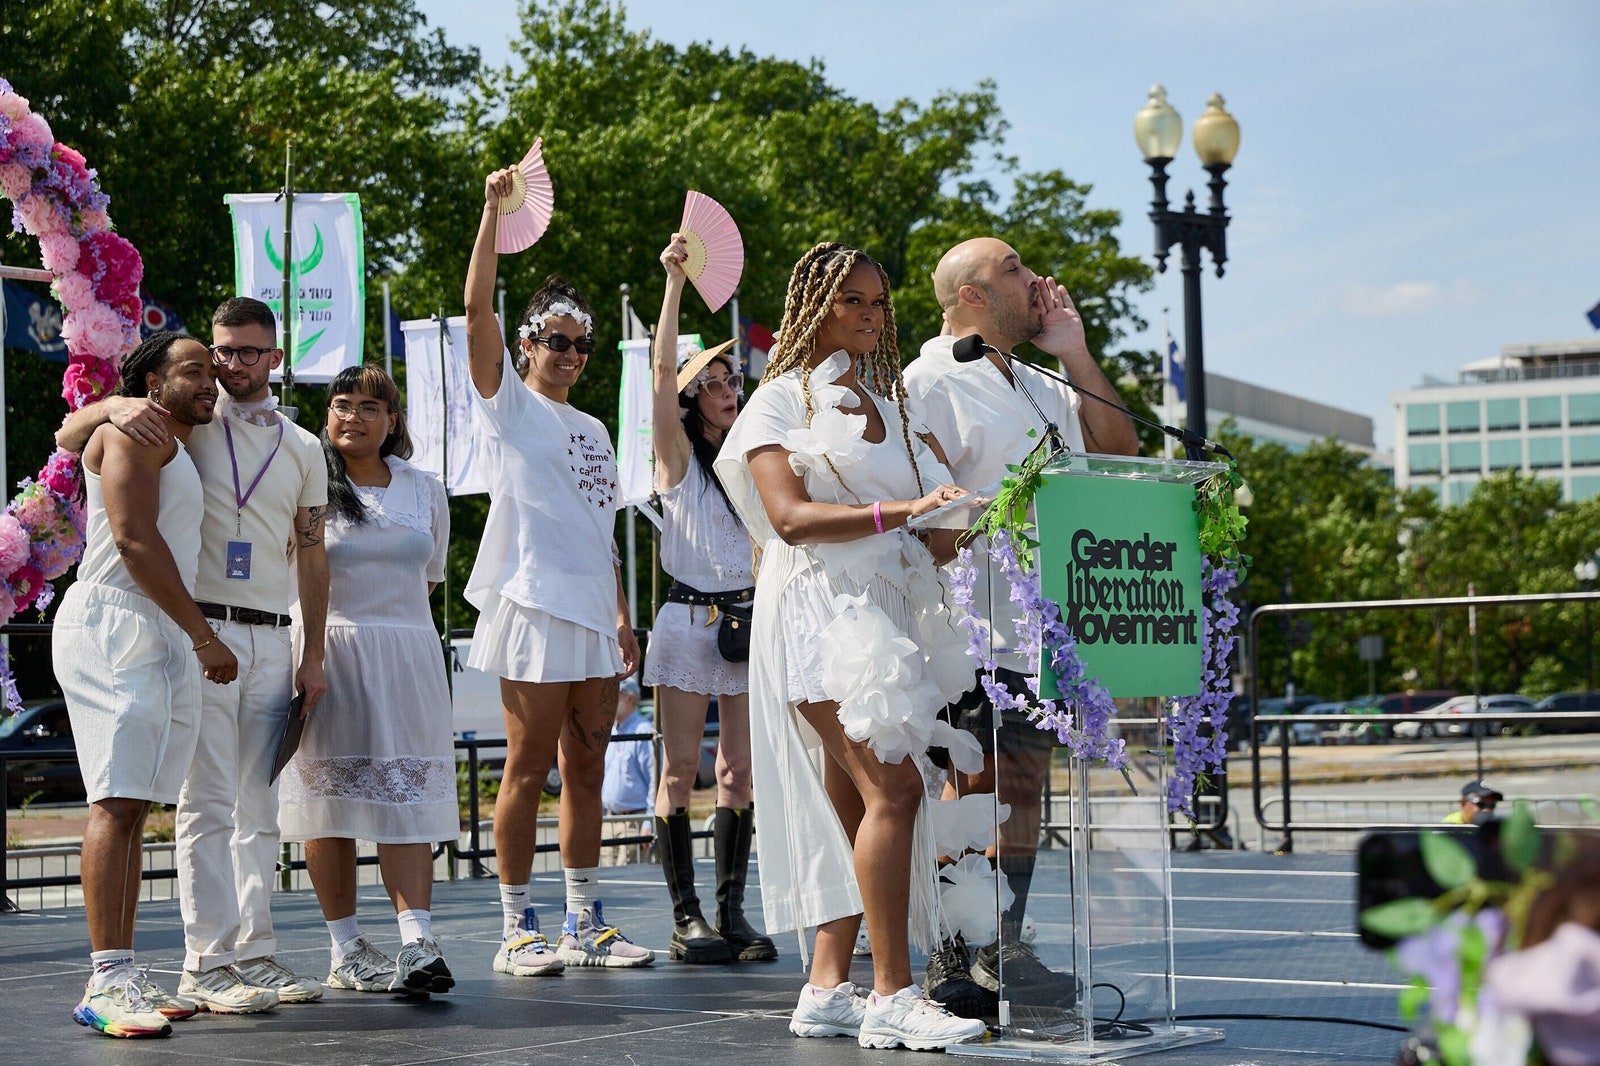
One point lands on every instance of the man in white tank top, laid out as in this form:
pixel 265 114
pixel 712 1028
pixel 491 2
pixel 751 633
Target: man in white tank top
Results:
pixel 266 486
pixel 130 646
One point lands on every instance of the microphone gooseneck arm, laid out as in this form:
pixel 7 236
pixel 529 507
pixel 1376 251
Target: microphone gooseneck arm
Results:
pixel 972 348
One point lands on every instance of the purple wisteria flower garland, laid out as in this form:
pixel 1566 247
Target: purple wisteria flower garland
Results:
pixel 1082 717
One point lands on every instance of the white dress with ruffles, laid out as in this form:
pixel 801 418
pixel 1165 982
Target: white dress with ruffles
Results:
pixel 862 623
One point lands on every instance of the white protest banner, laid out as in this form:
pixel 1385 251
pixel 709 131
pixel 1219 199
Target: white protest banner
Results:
pixel 439 405
pixel 635 437
pixel 329 274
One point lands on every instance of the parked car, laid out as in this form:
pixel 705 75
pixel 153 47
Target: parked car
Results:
pixel 1358 731
pixel 41 728
pixel 1412 701
pixel 1574 703
pixel 1422 725
pixel 1469 715
pixel 1305 732
pixel 1280 706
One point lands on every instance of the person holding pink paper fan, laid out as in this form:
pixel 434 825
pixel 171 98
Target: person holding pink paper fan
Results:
pixel 705 549
pixel 553 621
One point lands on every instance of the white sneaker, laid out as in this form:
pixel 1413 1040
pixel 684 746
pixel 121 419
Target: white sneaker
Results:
pixel 525 952
pixel 362 968
pixel 863 948
pixel 120 1009
pixel 910 1019
pixel 173 1008
pixel 267 972
pixel 829 1011
pixel 586 940
pixel 421 968
pixel 222 990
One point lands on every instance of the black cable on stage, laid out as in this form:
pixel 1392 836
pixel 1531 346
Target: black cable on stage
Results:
pixel 1288 1018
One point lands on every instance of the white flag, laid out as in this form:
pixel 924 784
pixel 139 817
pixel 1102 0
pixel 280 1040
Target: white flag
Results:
pixel 439 405
pixel 635 408
pixel 329 274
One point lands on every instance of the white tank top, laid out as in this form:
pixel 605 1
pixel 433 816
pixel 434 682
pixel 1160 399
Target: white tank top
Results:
pixel 704 545
pixel 182 507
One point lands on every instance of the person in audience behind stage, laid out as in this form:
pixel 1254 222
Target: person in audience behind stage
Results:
pixel 1478 801
pixel 706 551
pixel 266 486
pixel 631 765
pixel 981 416
pixel 852 649
pixel 553 620
pixel 131 648
pixel 378 761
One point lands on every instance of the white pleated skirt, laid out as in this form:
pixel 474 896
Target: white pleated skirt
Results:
pixel 521 643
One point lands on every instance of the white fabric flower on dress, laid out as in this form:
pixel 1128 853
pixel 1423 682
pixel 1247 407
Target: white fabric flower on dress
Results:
pixel 968 823
pixel 832 436
pixel 966 754
pixel 875 674
pixel 966 899
pixel 824 393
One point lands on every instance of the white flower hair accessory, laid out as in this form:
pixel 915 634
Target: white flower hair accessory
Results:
pixel 555 310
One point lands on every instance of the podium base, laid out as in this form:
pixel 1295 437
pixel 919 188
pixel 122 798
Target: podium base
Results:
pixel 1060 1044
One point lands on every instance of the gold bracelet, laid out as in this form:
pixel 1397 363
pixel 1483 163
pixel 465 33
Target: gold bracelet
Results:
pixel 204 643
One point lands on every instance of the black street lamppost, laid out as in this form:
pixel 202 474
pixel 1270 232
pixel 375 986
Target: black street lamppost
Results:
pixel 1159 129
pixel 1586 572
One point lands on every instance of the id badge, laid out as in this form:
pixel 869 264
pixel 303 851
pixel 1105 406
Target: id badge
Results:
pixel 238 564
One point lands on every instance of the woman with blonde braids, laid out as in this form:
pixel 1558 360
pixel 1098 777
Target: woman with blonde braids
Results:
pixel 852 649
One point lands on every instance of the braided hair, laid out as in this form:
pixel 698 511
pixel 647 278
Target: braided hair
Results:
pixel 813 286
pixel 555 290
pixel 369 381
pixel 150 357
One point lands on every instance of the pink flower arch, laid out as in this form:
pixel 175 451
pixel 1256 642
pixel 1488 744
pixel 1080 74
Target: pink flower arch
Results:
pixel 56 198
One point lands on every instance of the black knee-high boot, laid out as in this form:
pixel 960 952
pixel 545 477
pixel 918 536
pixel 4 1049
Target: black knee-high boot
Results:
pixel 732 832
pixel 693 939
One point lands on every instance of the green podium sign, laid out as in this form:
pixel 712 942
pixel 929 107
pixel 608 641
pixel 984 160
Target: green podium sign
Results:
pixel 1121 557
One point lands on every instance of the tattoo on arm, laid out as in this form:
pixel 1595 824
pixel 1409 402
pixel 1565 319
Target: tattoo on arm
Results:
pixel 308 532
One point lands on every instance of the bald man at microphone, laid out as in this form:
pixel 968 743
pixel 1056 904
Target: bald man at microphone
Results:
pixel 988 411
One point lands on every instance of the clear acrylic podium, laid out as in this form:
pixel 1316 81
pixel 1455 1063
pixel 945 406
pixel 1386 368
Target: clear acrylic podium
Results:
pixel 1086 962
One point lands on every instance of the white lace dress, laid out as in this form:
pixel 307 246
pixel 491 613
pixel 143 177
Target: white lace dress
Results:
pixel 377 760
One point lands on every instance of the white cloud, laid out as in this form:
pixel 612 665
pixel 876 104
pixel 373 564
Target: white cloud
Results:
pixel 1403 297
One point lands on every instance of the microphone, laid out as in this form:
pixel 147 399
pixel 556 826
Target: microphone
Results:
pixel 971 348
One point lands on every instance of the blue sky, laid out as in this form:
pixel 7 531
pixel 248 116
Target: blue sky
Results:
pixel 1416 182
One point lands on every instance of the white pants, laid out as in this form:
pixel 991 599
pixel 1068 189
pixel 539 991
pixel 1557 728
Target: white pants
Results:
pixel 227 824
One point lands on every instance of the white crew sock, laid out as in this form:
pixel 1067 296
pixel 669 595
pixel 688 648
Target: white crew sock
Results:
pixel 415 925
pixel 341 931
pixel 583 888
pixel 110 965
pixel 514 899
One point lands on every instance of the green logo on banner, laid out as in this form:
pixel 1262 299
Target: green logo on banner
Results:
pixel 1121 558
pixel 305 266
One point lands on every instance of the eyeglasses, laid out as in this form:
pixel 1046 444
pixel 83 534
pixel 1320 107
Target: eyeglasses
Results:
pixel 723 386
pixel 1483 804
pixel 367 412
pixel 222 355
pixel 560 342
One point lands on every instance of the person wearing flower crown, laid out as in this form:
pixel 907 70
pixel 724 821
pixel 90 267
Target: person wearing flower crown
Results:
pixel 553 621
pixel 705 549
pixel 852 650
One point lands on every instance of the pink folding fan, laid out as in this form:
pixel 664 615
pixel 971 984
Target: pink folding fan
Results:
pixel 716 251
pixel 525 214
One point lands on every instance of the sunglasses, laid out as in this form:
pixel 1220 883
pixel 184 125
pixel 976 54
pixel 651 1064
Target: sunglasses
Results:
pixel 560 342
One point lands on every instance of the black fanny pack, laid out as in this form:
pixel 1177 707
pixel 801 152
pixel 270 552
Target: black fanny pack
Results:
pixel 733 635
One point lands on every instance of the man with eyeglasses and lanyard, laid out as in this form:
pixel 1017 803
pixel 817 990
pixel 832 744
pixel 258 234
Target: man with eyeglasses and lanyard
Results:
pixel 266 489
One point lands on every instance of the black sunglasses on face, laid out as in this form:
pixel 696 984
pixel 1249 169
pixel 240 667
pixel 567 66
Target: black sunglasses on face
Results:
pixel 560 342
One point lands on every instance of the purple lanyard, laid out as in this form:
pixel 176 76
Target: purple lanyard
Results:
pixel 240 499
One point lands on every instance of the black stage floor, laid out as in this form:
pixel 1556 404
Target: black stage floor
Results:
pixel 1256 934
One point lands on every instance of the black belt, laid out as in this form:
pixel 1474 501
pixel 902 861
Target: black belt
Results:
pixel 681 593
pixel 246 615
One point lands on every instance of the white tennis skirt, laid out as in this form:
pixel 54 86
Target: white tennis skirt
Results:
pixel 132 687
pixel 522 643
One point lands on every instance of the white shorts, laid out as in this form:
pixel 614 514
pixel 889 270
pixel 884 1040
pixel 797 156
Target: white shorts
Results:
pixel 132 686
pixel 522 643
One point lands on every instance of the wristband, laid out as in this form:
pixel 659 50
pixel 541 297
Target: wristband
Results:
pixel 877 515
pixel 203 644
